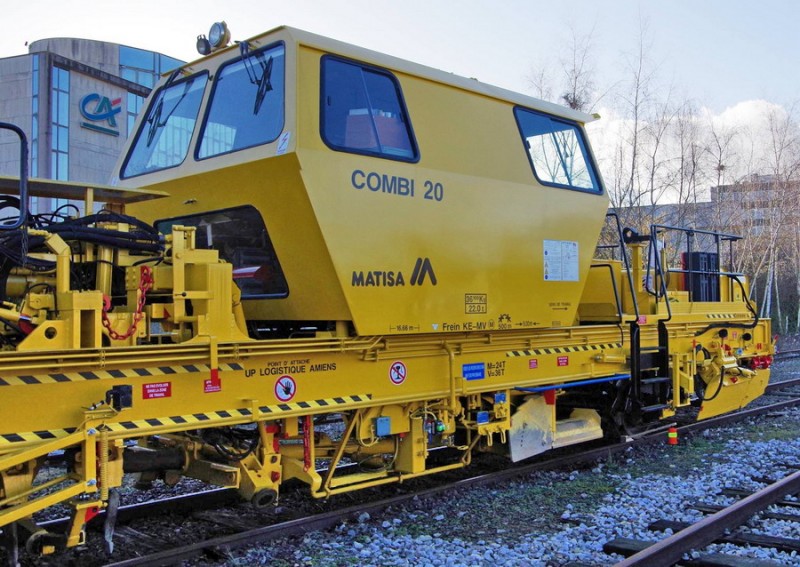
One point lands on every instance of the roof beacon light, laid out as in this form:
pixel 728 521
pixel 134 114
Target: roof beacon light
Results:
pixel 203 46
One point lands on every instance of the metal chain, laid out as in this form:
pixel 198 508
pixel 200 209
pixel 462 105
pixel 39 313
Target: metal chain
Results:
pixel 145 285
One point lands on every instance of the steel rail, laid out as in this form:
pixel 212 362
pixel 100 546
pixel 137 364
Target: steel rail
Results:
pixel 670 550
pixel 774 386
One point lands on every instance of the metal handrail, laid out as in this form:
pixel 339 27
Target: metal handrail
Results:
pixel 617 299
pixel 23 177
pixel 625 261
pixel 719 238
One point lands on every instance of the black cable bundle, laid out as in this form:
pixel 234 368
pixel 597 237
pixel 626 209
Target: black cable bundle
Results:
pixel 16 245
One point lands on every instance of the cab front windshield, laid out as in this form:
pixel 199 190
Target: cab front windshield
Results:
pixel 245 109
pixel 164 135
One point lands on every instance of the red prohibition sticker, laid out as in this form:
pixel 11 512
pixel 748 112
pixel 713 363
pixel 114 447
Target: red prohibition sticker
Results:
pixel 398 372
pixel 285 388
pixel 533 363
pixel 563 361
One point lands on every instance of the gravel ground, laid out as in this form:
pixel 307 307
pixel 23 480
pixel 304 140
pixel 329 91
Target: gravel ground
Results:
pixel 559 518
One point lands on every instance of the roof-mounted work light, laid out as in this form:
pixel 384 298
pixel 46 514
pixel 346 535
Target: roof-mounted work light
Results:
pixel 218 37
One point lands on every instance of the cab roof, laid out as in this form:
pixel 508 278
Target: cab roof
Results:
pixel 326 44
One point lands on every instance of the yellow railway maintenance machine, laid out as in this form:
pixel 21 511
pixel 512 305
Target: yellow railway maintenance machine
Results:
pixel 313 254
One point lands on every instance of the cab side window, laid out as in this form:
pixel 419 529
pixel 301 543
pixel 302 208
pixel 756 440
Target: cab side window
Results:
pixel 363 111
pixel 557 151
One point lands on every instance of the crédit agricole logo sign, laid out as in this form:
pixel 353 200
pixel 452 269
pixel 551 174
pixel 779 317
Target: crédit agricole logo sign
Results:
pixel 99 112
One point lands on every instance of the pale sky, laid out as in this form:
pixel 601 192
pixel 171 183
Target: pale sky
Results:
pixel 719 52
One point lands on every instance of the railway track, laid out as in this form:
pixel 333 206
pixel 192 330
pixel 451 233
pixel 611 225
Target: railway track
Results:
pixel 718 527
pixel 721 523
pixel 238 531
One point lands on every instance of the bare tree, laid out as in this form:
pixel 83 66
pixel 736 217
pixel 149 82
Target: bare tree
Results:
pixel 578 72
pixel 783 163
pixel 572 81
pixel 663 151
pixel 628 190
pixel 686 134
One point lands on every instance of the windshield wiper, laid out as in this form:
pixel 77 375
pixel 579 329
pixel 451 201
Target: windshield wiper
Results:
pixel 154 120
pixel 263 83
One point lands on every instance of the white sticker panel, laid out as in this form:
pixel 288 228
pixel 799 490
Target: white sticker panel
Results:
pixel 560 261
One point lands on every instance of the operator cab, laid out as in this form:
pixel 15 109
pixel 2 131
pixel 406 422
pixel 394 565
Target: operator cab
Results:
pixel 348 190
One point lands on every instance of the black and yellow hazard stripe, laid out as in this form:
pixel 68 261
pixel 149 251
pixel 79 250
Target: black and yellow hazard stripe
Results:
pixel 315 404
pixel 721 315
pixel 191 420
pixel 563 350
pixel 33 436
pixel 29 379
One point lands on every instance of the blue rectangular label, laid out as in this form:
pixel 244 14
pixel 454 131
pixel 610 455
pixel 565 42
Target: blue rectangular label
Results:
pixel 475 371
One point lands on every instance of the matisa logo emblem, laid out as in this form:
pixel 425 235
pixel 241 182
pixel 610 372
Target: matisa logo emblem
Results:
pixel 98 109
pixel 422 272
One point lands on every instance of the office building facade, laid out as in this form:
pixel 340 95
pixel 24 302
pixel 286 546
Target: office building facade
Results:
pixel 76 100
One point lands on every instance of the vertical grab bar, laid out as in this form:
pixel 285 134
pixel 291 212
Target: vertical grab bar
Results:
pixel 23 177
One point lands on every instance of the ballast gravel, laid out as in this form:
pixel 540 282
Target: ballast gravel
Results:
pixel 558 518
pixel 563 518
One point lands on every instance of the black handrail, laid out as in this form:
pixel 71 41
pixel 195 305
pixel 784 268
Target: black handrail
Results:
pixel 23 177
pixel 659 278
pixel 690 271
pixel 625 260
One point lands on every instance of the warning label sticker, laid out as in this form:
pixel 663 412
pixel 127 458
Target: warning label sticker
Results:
pixel 213 383
pixel 156 390
pixel 561 261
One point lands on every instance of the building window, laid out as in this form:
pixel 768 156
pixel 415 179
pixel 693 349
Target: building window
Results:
pixel 144 67
pixel 34 147
pixel 363 111
pixel 59 112
pixel 134 106
pixel 557 151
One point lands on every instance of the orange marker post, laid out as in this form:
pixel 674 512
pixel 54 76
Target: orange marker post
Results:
pixel 672 436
